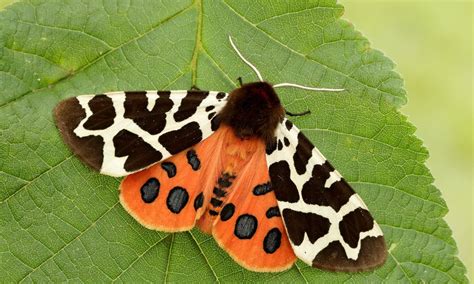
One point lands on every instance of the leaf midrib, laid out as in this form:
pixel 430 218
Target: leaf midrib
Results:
pixel 197 45
pixel 197 48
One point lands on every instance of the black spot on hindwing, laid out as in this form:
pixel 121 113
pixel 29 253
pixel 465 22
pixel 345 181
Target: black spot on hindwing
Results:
pixel 136 108
pixel 227 211
pixel 177 140
pixel 273 212
pixel 198 201
pixel 262 189
pixel 193 159
pixel 285 189
pixel 272 241
pixel 177 199
pixel 103 113
pixel 170 168
pixel 140 154
pixel 150 190
pixel 246 226
pixel 298 224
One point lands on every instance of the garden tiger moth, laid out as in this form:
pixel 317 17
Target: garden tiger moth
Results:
pixel 233 165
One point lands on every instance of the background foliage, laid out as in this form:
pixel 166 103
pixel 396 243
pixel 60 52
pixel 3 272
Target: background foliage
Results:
pixel 431 41
pixel 60 221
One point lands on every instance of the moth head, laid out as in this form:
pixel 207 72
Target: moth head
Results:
pixel 253 110
pixel 258 92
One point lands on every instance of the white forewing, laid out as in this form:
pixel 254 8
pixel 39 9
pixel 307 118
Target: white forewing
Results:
pixel 320 190
pixel 113 165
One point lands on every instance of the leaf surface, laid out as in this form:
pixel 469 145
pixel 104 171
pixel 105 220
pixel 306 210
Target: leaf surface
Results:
pixel 60 221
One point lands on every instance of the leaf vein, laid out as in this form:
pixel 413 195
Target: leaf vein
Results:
pixel 194 59
pixel 218 66
pixel 429 235
pixel 205 257
pixel 36 55
pixel 67 30
pixel 399 190
pixel 140 256
pixel 101 56
pixel 35 178
pixel 299 12
pixel 306 56
pixel 70 242
pixel 169 258
pixel 365 138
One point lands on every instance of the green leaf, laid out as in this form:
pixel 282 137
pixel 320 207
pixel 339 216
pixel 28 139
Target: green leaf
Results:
pixel 60 221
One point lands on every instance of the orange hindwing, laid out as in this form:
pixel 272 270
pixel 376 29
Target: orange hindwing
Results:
pixel 248 223
pixel 171 195
pixel 224 182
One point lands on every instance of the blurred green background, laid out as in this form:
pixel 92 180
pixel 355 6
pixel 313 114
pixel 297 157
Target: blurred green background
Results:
pixel 431 43
pixel 4 3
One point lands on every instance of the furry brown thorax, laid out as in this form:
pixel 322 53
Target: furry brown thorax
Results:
pixel 253 110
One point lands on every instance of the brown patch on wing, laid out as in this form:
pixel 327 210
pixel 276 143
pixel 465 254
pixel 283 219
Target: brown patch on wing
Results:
pixel 153 121
pixel 299 224
pixel 353 224
pixel 303 153
pixel 103 113
pixel 189 106
pixel 285 189
pixel 314 191
pixel 139 153
pixel 176 141
pixel 68 114
pixel 372 254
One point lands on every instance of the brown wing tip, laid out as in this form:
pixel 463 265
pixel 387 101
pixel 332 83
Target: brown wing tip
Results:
pixel 373 254
pixel 67 115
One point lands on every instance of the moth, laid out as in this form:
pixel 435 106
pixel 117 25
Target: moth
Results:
pixel 232 165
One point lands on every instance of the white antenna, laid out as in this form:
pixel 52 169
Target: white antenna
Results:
pixel 281 85
pixel 245 60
